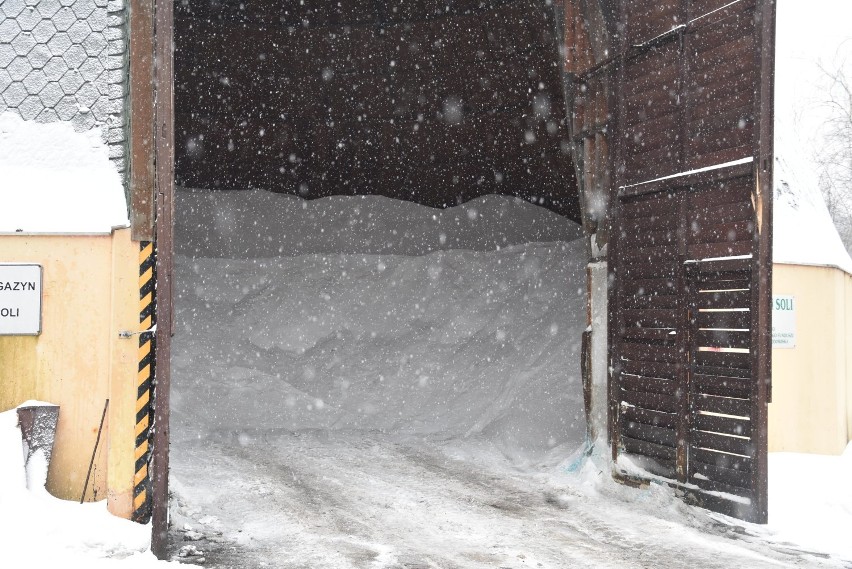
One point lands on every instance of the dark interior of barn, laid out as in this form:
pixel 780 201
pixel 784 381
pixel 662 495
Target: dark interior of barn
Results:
pixel 435 102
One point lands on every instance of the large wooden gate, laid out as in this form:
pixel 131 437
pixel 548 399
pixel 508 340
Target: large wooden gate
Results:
pixel 690 248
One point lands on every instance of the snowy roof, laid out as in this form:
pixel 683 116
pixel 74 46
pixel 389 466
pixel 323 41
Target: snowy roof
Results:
pixel 803 232
pixel 55 180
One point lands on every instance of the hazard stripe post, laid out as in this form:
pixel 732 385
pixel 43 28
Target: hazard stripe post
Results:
pixel 145 379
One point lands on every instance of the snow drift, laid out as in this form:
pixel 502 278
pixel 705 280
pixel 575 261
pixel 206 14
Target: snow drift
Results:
pixel 454 344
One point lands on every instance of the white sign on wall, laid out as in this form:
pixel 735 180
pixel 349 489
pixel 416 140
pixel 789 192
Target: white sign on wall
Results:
pixel 783 322
pixel 20 299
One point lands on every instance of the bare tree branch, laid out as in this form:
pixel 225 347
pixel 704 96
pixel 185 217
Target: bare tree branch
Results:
pixel 834 157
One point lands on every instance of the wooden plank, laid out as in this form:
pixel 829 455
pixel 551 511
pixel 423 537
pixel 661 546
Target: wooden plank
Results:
pixel 733 189
pixel 650 353
pixel 649 433
pixel 723 299
pixel 721 75
pixel 722 405
pixel 733 445
pixel 706 109
pixel 164 140
pixel 704 96
pixel 711 159
pixel 643 287
pixel 141 149
pixel 762 273
pixel 656 254
pixel 654 465
pixel 738 49
pixel 665 237
pixel 649 417
pixel 647 384
pixel 649 105
pixel 651 318
pixel 721 232
pixel 652 133
pixel 717 175
pixel 726 282
pixel 654 302
pixel 652 71
pixel 735 360
pixel 701 251
pixel 728 476
pixel 725 213
pixel 720 459
pixel 737 54
pixel 722 385
pixel 652 164
pixel 660 370
pixel 720 21
pixel 717 486
pixel 660 334
pixel 645 448
pixel 645 271
pixel 724 425
pixel 651 223
pixel 720 503
pixel 734 132
pixel 723 338
pixel 715 12
pixel 651 401
pixel 650 18
pixel 724 266
pixel 656 205
pixel 721 371
pixel 729 319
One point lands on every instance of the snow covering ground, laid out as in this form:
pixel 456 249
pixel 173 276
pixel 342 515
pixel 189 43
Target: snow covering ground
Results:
pixel 385 386
pixel 55 180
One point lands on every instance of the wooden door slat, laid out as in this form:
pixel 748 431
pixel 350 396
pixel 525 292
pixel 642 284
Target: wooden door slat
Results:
pixel 722 405
pixel 724 425
pixel 734 445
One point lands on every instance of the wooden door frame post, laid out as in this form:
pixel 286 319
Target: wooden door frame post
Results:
pixel 164 192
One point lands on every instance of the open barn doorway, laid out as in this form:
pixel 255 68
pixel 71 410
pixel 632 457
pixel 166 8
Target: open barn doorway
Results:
pixel 379 284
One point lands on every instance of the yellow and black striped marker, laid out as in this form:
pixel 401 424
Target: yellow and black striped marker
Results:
pixel 147 319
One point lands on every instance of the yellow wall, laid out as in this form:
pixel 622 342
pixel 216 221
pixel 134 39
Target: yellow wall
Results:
pixel 811 409
pixel 90 294
pixel 847 347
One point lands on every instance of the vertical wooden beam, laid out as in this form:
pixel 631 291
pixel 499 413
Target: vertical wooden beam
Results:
pixel 164 152
pixel 684 344
pixel 616 177
pixel 761 299
pixel 141 65
pixel 683 87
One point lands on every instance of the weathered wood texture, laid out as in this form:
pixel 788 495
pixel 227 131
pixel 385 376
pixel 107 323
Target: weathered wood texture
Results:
pixel 682 356
pixel 433 102
pixel 689 90
pixel 164 134
pixel 141 143
pixel 690 252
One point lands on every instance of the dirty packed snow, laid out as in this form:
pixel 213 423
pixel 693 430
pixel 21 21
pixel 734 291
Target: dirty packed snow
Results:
pixel 361 382
pixel 55 180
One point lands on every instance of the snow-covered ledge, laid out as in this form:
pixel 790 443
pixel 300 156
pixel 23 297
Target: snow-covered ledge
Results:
pixel 57 181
